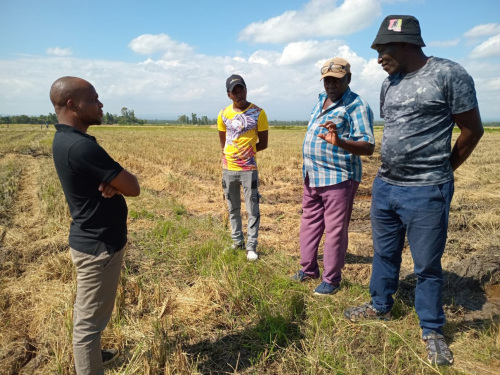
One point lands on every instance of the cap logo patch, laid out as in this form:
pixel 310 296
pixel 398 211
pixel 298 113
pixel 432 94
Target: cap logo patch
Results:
pixel 395 25
pixel 236 79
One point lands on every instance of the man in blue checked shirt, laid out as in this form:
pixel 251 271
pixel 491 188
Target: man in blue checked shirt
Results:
pixel 340 130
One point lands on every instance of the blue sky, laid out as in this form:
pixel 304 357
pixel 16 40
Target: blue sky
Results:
pixel 166 58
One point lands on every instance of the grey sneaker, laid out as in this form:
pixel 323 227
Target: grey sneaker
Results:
pixel 366 311
pixel 438 352
pixel 109 355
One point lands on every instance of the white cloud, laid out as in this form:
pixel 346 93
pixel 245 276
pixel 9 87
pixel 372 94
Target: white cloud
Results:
pixel 444 43
pixel 307 51
pixel 489 48
pixel 486 75
pixel 372 73
pixel 483 30
pixel 317 18
pixel 166 88
pixel 264 57
pixel 259 92
pixel 56 51
pixel 148 44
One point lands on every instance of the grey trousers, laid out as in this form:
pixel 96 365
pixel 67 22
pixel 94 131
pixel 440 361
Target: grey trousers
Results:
pixel 231 181
pixel 96 284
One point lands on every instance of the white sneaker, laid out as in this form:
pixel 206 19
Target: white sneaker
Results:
pixel 252 255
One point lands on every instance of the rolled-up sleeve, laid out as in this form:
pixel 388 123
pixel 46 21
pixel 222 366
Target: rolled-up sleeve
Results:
pixel 361 117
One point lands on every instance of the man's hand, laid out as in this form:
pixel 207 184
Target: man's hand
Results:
pixel 107 190
pixel 354 147
pixel 332 136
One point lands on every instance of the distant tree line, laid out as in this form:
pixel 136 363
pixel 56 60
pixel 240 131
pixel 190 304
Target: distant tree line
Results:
pixel 127 118
pixel 288 123
pixel 24 119
pixel 185 120
pixel 195 120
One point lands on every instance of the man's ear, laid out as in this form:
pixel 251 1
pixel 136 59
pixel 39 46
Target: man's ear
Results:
pixel 71 105
pixel 229 95
pixel 349 75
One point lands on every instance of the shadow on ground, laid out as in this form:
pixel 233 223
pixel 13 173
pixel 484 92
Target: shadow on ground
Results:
pixel 235 352
pixel 464 287
pixel 357 259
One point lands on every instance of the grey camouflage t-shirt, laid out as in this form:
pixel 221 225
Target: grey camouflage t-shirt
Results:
pixel 417 108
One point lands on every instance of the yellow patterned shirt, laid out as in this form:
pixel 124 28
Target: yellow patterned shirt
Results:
pixel 241 136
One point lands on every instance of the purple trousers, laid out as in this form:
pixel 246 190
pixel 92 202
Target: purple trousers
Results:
pixel 326 210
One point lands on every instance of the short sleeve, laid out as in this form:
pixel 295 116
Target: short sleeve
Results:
pixel 383 91
pixel 459 90
pixel 88 158
pixel 220 124
pixel 362 123
pixel 262 124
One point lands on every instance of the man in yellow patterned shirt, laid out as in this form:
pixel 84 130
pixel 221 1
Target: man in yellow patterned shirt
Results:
pixel 243 131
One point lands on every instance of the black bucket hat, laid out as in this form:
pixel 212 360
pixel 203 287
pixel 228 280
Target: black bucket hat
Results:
pixel 395 29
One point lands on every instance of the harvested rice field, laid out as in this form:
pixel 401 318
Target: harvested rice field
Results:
pixel 184 306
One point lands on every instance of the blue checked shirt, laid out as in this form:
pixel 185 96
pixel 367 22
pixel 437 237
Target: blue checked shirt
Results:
pixel 327 164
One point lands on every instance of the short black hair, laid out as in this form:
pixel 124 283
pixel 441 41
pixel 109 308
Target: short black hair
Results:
pixel 66 88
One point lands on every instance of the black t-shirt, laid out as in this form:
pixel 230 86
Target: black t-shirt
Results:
pixel 82 165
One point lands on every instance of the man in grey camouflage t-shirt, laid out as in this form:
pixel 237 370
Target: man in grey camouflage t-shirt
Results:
pixel 421 101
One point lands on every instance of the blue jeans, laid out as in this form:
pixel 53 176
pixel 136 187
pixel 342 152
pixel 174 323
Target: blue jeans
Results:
pixel 422 213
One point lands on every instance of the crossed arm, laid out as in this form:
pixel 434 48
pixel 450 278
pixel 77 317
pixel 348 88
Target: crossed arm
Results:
pixel 125 183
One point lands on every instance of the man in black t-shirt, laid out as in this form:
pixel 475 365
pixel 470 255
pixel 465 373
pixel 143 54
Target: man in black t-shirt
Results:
pixel 94 185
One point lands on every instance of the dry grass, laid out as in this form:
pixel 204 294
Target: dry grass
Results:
pixel 185 307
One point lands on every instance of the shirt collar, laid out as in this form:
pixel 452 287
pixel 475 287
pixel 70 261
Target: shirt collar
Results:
pixel 322 96
pixel 67 128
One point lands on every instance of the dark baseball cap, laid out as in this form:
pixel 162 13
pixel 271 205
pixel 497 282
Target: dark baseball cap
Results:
pixel 402 29
pixel 234 81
